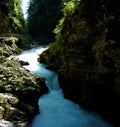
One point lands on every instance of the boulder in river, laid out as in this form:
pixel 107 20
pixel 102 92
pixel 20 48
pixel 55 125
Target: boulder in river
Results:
pixel 23 62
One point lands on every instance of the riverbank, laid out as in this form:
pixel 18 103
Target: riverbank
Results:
pixel 19 89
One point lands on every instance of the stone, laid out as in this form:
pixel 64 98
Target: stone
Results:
pixel 8 98
pixel 19 93
pixel 23 62
pixel 1 112
pixel 4 123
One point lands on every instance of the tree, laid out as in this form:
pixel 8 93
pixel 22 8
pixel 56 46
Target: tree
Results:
pixel 43 16
pixel 11 17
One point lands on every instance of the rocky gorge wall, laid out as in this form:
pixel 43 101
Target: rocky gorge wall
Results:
pixel 19 89
pixel 86 56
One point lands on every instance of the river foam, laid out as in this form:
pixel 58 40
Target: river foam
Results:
pixel 55 110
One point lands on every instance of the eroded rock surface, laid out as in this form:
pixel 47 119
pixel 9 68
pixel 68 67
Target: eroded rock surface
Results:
pixel 19 93
pixel 86 55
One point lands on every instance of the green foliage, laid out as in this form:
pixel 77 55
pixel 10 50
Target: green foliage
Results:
pixel 57 49
pixel 9 46
pixel 54 48
pixel 58 30
pixel 42 19
pixel 10 40
pixel 70 7
pixel 11 17
pixel 13 24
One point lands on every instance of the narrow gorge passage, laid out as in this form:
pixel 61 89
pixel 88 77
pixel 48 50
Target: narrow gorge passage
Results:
pixel 55 110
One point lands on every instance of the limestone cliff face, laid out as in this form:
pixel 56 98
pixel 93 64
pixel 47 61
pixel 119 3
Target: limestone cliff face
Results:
pixel 86 55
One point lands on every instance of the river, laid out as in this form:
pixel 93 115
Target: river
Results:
pixel 55 110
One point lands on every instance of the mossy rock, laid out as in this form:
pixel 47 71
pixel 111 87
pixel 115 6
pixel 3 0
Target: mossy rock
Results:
pixel 22 85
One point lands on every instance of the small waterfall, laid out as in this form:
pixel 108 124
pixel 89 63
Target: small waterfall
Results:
pixel 55 110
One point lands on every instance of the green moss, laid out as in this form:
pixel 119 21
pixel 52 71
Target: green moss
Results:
pixel 87 54
pixel 70 7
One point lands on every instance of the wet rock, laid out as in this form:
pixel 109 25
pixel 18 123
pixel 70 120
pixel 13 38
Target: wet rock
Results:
pixel 1 112
pixel 87 56
pixel 4 123
pixel 8 98
pixel 23 63
pixel 19 93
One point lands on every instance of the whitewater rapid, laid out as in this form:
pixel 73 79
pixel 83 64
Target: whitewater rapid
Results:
pixel 55 110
